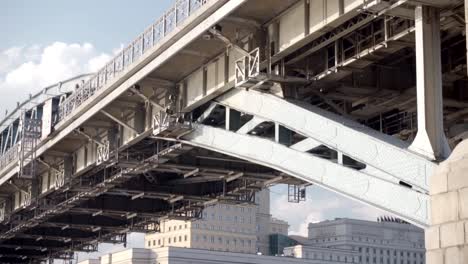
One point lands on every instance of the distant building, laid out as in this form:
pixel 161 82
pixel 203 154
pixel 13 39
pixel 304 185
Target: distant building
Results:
pixel 177 255
pixel 388 241
pixel 223 227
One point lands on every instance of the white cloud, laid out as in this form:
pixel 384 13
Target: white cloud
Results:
pixel 25 70
pixel 320 205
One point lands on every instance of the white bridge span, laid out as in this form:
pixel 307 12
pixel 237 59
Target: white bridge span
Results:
pixel 394 179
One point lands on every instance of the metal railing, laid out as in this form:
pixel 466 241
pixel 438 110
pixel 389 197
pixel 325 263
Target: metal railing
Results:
pixel 150 37
pixel 11 155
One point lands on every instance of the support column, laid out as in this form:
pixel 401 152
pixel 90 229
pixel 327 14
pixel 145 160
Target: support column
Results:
pixel 466 27
pixel 447 238
pixel 430 140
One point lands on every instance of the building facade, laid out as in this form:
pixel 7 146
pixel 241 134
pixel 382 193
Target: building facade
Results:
pixel 177 255
pixel 241 228
pixel 387 241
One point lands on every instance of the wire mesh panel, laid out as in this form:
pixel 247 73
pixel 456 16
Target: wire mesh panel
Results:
pixel 158 29
pixel 119 64
pixel 11 155
pixel 110 71
pixel 148 39
pixel 93 84
pixel 182 10
pixel 170 21
pixel 137 48
pixel 101 78
pixel 196 4
pixel 128 57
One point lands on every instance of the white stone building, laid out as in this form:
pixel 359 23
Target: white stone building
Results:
pixel 177 255
pixel 241 228
pixel 383 242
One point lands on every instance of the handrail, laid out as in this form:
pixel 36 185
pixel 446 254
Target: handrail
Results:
pixel 151 36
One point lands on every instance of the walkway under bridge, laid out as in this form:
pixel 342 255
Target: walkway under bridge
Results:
pixel 219 99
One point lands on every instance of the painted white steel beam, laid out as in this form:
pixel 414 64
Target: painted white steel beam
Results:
pixel 247 127
pixel 430 140
pixel 410 205
pixel 120 122
pixel 387 154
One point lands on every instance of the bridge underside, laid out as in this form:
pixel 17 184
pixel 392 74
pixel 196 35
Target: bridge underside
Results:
pixel 238 97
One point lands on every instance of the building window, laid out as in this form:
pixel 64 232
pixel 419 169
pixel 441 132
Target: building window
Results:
pixel 220 240
pixel 212 239
pixel 154 242
pixel 169 241
pixel 204 238
pixel 149 243
pixel 159 242
pixel 169 229
pixel 185 237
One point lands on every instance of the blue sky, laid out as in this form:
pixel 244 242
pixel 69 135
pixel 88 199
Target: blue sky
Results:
pixel 104 23
pixel 46 41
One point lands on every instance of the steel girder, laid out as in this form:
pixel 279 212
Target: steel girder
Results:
pixel 391 170
pixel 386 157
pixel 359 185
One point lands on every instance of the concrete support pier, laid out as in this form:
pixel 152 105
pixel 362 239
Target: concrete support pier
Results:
pixel 430 140
pixel 447 238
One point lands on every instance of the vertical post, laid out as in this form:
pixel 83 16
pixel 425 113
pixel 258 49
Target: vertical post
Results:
pixel 339 158
pixel 466 28
pixel 337 51
pixel 341 7
pixel 277 136
pixel 227 121
pixel 205 80
pixel 306 17
pixel 430 140
pixel 234 120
